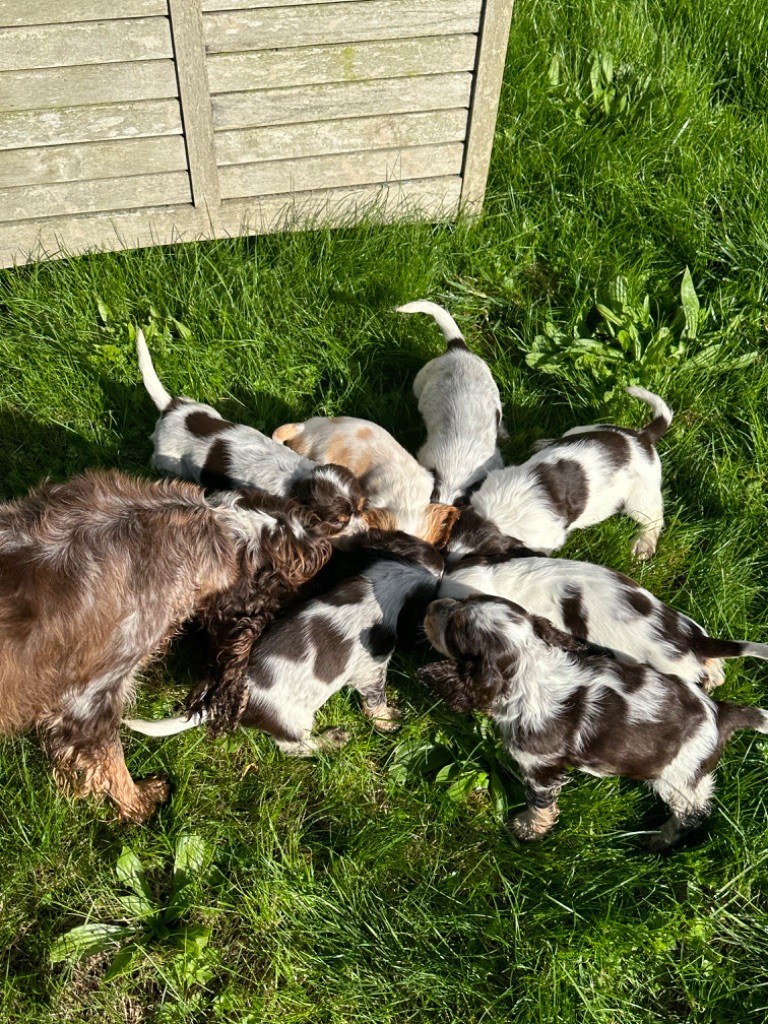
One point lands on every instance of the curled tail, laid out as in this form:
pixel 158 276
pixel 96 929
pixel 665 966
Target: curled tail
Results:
pixel 453 336
pixel 662 414
pixel 731 717
pixel 157 392
pixel 165 726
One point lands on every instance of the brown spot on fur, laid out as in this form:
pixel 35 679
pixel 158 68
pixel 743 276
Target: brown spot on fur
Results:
pixel 215 470
pixel 202 424
pixel 364 433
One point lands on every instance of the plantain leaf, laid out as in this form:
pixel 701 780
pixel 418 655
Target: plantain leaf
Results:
pixel 130 872
pixel 87 940
pixel 122 963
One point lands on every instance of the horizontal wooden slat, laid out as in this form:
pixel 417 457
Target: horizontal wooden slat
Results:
pixel 91 196
pixel 48 88
pixel 26 129
pixel 62 12
pixel 239 181
pixel 91 160
pixel 351 134
pixel 308 65
pixel 54 238
pixel 349 99
pixel 243 5
pixel 354 21
pixel 92 42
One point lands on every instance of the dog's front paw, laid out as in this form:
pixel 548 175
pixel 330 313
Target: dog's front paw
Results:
pixel 148 796
pixel 530 825
pixel 384 718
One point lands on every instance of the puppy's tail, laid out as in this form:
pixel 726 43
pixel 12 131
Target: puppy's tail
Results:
pixel 165 726
pixel 157 392
pixel 714 647
pixel 453 336
pixel 731 717
pixel 662 414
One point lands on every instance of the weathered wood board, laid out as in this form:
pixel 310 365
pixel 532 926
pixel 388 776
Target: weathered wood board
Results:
pixel 127 123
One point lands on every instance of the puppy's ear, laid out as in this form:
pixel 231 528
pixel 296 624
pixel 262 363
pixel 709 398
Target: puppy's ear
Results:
pixel 440 521
pixel 464 685
pixel 555 637
pixel 291 435
pixel 379 519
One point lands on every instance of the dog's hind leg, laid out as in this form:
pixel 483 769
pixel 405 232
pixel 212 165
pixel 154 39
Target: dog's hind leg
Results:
pixel 689 805
pixel 329 740
pixel 646 508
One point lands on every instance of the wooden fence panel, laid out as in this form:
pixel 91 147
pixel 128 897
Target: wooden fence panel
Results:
pixel 135 122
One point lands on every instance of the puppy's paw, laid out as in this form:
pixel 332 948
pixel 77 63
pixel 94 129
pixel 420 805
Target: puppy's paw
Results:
pixel 384 718
pixel 644 548
pixel 333 739
pixel 712 675
pixel 527 826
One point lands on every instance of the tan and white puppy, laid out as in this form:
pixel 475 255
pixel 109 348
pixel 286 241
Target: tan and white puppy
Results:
pixel 392 479
pixel 461 408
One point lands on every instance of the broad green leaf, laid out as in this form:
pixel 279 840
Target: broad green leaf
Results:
pixel 87 940
pixel 192 939
pixel 122 963
pixel 191 853
pixel 130 872
pixel 463 786
pixel 691 306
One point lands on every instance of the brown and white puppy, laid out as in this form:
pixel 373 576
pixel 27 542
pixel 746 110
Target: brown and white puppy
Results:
pixel 581 479
pixel 461 408
pixel 558 705
pixel 392 479
pixel 98 573
pixel 193 441
pixel 343 636
pixel 603 607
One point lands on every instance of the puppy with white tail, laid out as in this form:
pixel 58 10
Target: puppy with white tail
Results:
pixel 461 407
pixel 343 637
pixel 584 477
pixel 193 441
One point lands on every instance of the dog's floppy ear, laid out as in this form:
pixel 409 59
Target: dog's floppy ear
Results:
pixel 292 436
pixel 464 685
pixel 555 637
pixel 379 519
pixel 440 521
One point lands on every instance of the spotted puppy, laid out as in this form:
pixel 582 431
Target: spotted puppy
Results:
pixel 559 705
pixel 343 637
pixel 461 407
pixel 581 479
pixel 194 442
pixel 393 480
pixel 603 607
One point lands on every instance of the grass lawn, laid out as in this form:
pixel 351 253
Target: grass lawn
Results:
pixel 632 144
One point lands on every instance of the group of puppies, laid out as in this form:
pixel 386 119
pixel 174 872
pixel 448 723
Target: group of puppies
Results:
pixel 309 556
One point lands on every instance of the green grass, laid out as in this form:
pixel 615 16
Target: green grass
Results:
pixel 336 893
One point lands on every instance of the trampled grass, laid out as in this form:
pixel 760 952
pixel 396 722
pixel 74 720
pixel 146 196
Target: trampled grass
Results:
pixel 632 142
